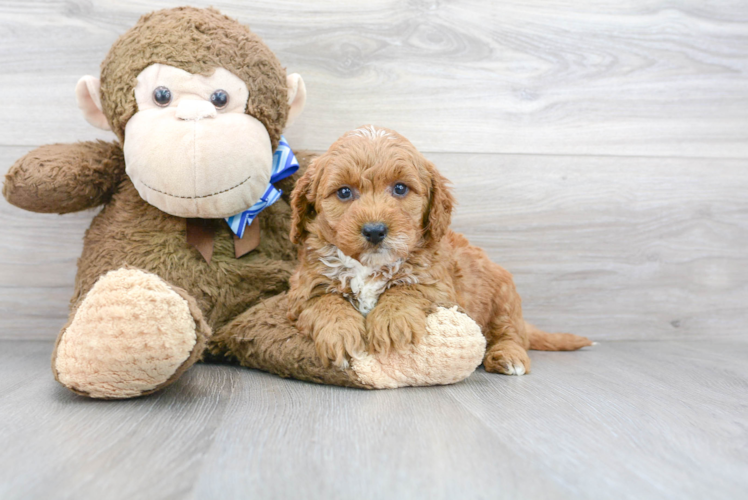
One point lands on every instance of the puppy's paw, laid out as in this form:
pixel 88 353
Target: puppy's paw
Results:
pixel 337 339
pixel 394 327
pixel 508 359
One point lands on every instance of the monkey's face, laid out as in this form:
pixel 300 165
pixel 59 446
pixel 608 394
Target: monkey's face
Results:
pixel 191 150
pixel 196 143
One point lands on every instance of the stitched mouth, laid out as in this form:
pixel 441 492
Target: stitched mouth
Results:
pixel 196 197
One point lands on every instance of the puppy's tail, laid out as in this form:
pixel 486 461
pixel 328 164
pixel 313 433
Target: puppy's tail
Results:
pixel 544 341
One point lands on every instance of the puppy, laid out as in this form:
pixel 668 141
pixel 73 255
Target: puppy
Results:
pixel 377 256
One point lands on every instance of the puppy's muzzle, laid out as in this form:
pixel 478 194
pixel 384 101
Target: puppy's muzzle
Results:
pixel 374 232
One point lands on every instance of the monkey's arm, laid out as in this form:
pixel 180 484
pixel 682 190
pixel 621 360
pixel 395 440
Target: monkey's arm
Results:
pixel 64 178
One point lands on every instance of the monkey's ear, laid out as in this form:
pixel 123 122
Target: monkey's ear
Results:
pixel 296 96
pixel 87 93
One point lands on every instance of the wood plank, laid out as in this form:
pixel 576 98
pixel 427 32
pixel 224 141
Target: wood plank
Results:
pixel 612 248
pixel 627 419
pixel 554 77
pixel 79 448
pixel 327 442
pixel 621 420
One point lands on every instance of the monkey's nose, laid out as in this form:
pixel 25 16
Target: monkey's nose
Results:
pixel 374 232
pixel 194 109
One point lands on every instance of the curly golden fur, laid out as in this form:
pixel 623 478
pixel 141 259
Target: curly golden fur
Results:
pixel 351 293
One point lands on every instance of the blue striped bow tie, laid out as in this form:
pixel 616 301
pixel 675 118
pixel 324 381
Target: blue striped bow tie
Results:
pixel 284 165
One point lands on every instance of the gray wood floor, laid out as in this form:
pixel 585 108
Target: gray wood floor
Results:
pixel 598 150
pixel 661 419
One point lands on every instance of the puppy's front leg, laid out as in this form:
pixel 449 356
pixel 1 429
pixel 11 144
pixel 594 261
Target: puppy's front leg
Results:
pixel 336 328
pixel 398 319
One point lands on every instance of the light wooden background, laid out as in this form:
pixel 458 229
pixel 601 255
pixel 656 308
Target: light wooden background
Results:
pixel 599 151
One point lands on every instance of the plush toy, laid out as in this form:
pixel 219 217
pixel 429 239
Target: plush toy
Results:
pixel 190 255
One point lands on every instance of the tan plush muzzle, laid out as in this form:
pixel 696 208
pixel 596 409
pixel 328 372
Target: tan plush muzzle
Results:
pixel 192 157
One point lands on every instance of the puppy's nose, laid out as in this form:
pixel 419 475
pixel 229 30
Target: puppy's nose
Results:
pixel 374 232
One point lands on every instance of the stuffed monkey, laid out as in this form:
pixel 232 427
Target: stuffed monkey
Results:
pixel 190 255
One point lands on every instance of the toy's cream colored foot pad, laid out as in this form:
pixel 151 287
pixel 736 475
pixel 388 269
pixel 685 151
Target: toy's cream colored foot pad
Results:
pixel 452 350
pixel 130 336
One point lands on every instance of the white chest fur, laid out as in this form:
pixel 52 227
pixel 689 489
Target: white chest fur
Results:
pixel 366 283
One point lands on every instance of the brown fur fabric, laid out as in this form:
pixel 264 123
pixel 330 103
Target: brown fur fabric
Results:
pixel 276 346
pixel 197 41
pixel 129 233
pixel 98 168
pixel 351 293
pixel 144 297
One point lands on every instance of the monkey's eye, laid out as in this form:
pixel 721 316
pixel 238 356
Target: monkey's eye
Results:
pixel 162 96
pixel 219 99
pixel 345 193
pixel 400 189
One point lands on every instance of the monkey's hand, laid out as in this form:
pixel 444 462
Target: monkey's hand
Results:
pixel 64 178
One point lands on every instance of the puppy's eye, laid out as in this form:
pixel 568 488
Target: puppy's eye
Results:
pixel 345 193
pixel 219 99
pixel 400 189
pixel 162 96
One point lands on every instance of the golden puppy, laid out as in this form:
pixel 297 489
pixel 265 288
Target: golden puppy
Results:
pixel 377 256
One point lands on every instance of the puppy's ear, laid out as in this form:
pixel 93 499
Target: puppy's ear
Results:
pixel 302 202
pixel 438 216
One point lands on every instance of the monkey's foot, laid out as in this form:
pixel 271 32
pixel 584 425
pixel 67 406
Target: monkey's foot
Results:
pixel 453 348
pixel 131 335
